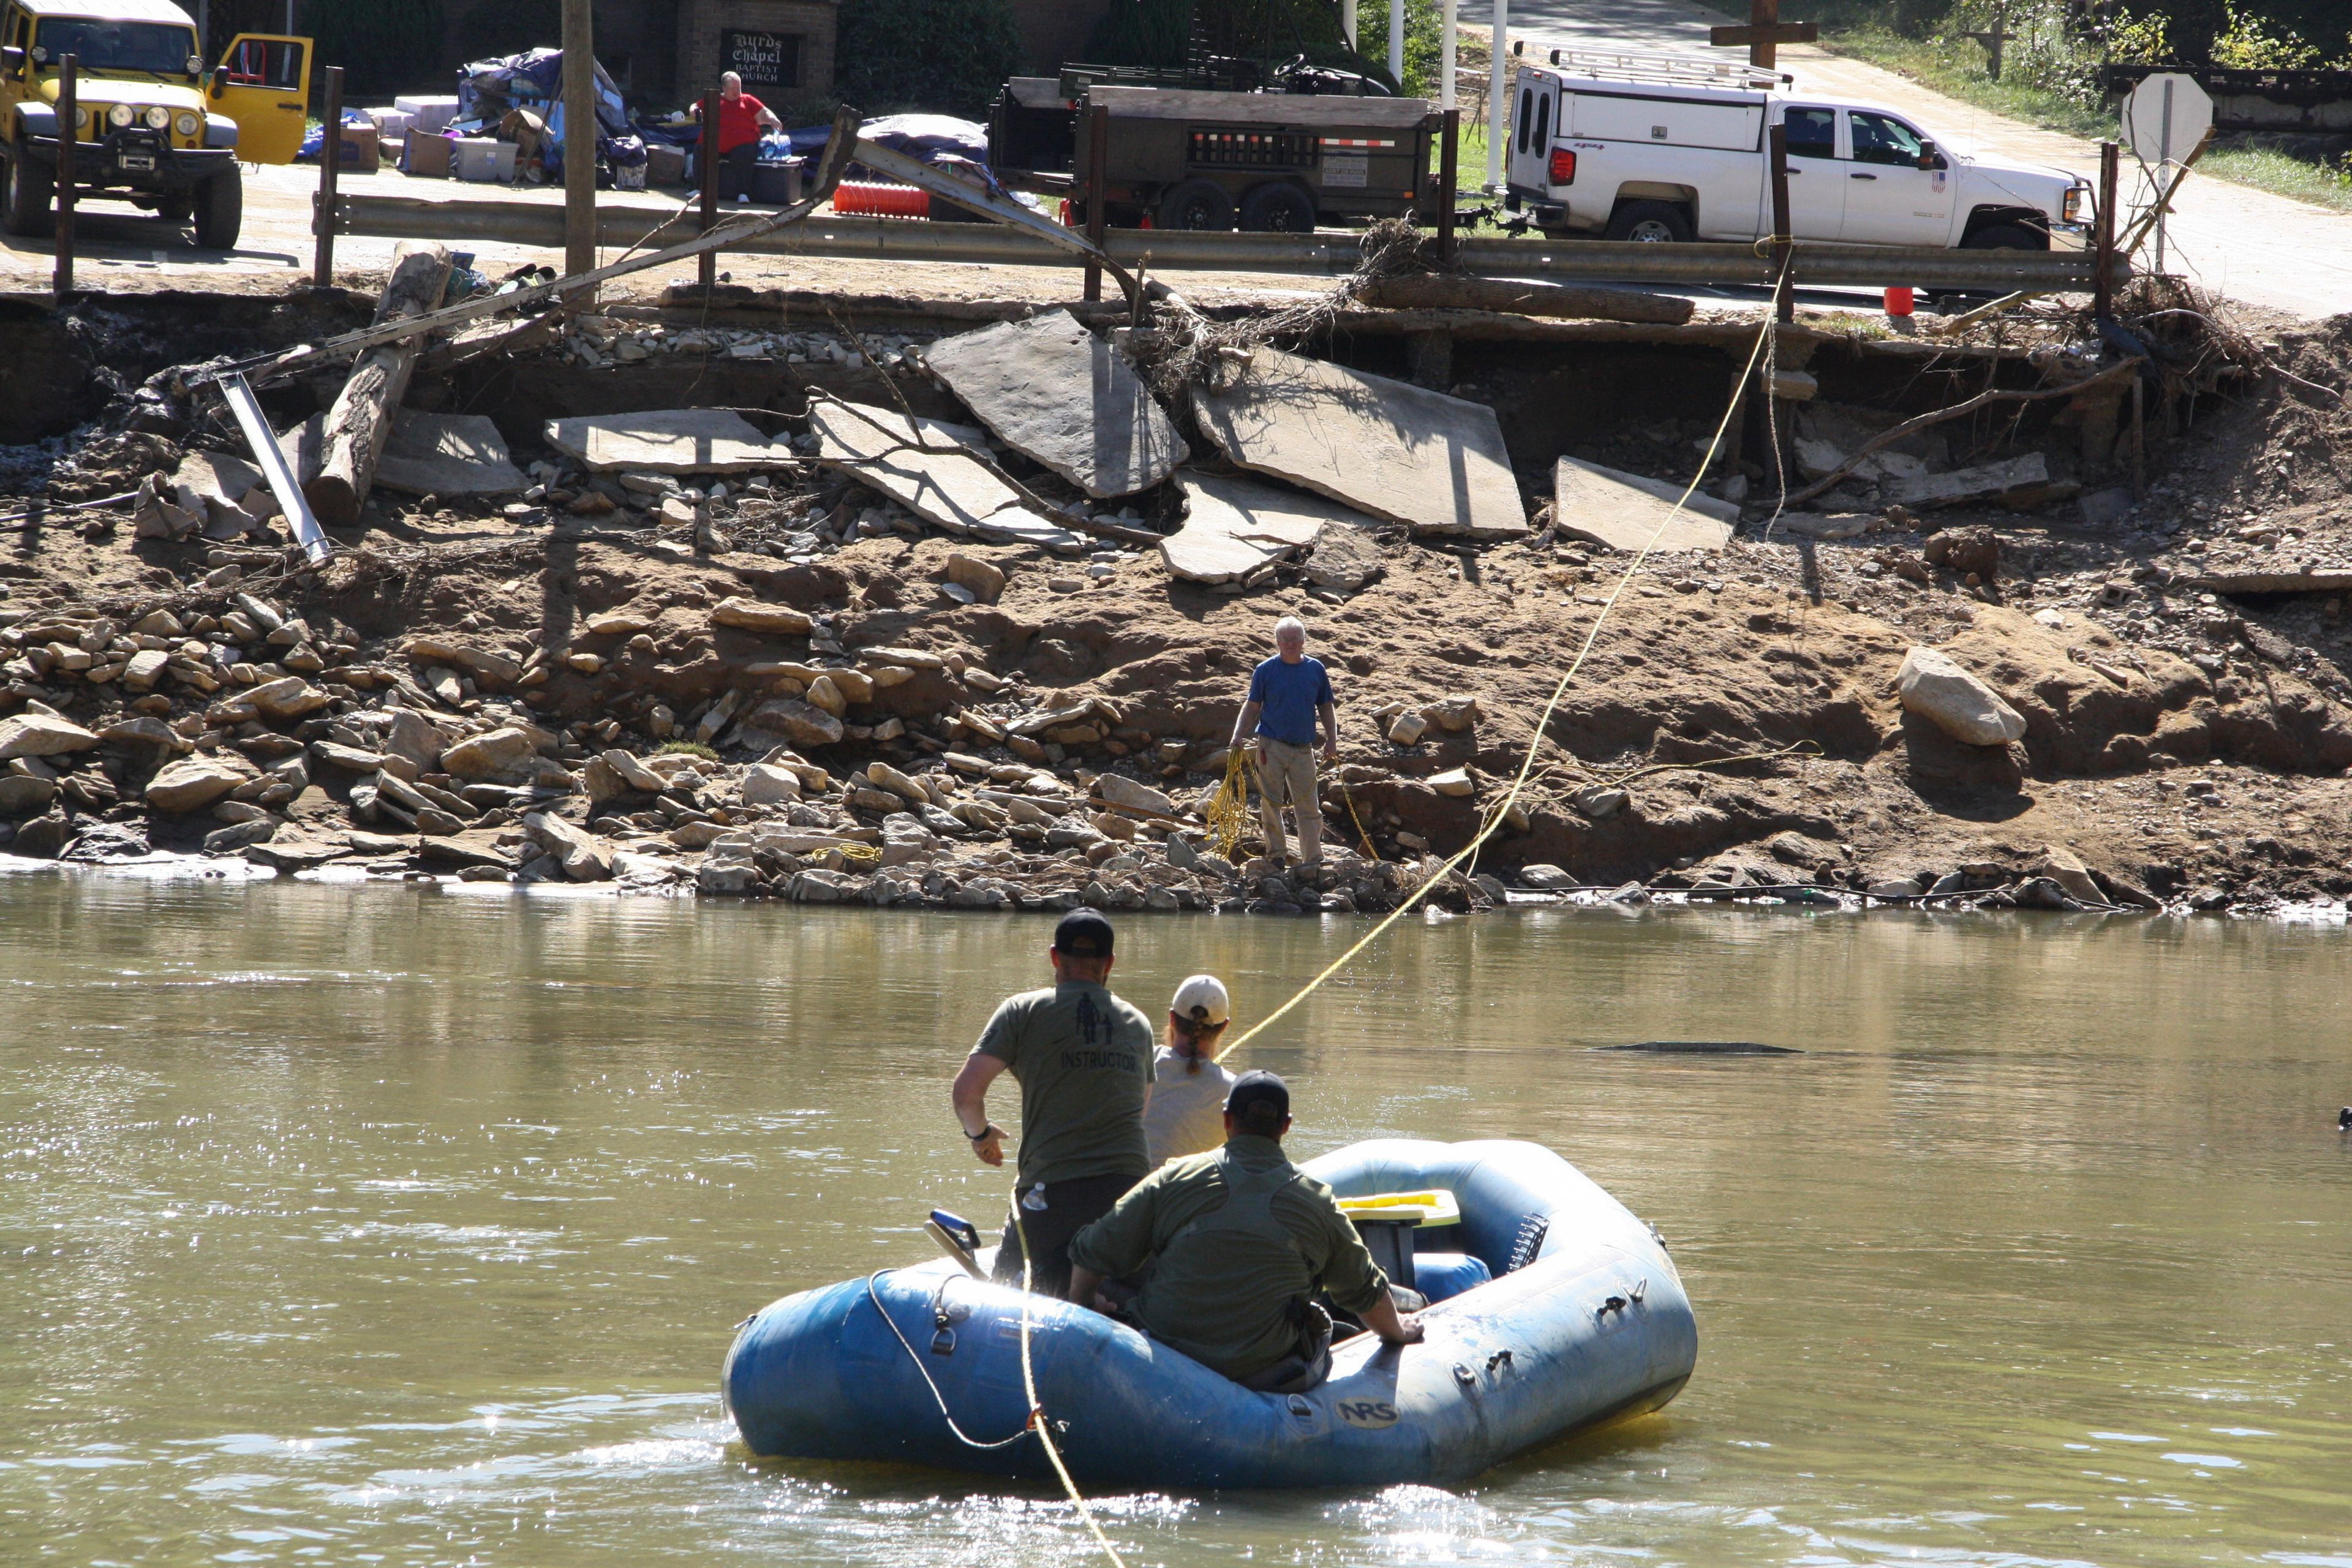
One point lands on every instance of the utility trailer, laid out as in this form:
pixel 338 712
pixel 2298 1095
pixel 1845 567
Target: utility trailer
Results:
pixel 1276 163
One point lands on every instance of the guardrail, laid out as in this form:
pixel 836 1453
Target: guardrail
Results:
pixel 1171 250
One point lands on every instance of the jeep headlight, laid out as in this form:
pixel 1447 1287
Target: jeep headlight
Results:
pixel 188 125
pixel 158 116
pixel 120 115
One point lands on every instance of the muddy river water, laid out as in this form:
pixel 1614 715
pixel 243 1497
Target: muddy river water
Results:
pixel 376 1225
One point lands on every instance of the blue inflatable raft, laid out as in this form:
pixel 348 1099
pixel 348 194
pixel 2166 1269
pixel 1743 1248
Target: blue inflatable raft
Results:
pixel 1583 1320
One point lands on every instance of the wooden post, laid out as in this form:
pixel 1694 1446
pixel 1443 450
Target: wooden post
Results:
pixel 361 421
pixel 2103 279
pixel 1098 154
pixel 69 110
pixel 2139 438
pixel 1765 50
pixel 1784 245
pixel 706 160
pixel 331 163
pixel 1764 33
pixel 1449 174
pixel 579 140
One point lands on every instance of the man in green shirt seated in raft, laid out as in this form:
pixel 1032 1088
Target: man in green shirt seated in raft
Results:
pixel 1083 1059
pixel 1239 1241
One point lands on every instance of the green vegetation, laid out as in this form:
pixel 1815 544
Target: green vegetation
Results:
pixel 947 56
pixel 2050 66
pixel 390 46
pixel 687 749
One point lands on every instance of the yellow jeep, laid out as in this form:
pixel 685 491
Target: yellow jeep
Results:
pixel 152 125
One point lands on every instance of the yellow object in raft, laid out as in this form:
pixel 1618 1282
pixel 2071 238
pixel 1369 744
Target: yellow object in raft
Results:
pixel 1434 1207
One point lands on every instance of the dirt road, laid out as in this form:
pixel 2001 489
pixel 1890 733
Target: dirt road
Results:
pixel 2266 250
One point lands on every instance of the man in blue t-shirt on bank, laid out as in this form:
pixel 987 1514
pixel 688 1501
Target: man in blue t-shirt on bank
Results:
pixel 1287 694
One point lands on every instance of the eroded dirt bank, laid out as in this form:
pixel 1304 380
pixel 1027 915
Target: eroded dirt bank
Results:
pixel 490 690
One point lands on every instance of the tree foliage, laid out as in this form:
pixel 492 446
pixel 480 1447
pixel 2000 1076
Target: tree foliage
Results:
pixel 950 56
pixel 385 47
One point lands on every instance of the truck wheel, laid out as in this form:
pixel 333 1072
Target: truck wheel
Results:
pixel 1278 208
pixel 32 185
pixel 220 210
pixel 2005 237
pixel 1197 205
pixel 1649 223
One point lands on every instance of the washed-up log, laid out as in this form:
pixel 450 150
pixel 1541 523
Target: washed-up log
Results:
pixel 361 421
pixel 1573 302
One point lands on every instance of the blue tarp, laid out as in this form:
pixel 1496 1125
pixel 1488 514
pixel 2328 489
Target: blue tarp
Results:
pixel 316 137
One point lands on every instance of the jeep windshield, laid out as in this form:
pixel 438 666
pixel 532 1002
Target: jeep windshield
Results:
pixel 156 47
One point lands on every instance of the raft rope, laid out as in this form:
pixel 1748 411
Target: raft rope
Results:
pixel 1764 336
pixel 1038 1420
pixel 966 1438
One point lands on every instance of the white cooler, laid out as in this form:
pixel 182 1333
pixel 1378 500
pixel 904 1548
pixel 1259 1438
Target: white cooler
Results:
pixel 478 158
pixel 433 114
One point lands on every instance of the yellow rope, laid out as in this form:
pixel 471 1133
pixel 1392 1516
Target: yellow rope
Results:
pixel 1519 784
pixel 1038 1417
pixel 1228 812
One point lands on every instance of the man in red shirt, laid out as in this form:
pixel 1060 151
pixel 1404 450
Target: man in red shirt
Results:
pixel 741 118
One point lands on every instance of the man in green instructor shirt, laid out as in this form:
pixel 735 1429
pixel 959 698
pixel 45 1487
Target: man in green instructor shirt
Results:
pixel 1083 1059
pixel 1239 1242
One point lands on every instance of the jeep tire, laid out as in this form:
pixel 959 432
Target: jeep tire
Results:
pixel 32 186
pixel 220 209
pixel 1198 204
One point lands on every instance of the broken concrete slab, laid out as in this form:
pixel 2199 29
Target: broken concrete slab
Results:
pixel 1434 463
pixel 1234 527
pixel 426 454
pixel 1625 512
pixel 2013 481
pixel 228 494
pixel 668 441
pixel 1055 393
pixel 1345 557
pixel 952 490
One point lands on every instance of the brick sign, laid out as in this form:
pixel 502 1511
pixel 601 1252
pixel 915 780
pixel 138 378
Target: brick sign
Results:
pixel 761 59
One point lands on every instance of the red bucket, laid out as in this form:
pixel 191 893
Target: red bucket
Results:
pixel 1898 301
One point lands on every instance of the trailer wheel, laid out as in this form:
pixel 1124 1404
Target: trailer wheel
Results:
pixel 31 188
pixel 1277 207
pixel 220 210
pixel 1649 223
pixel 1197 205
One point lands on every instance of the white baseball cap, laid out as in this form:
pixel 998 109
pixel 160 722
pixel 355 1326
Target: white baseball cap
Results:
pixel 1203 999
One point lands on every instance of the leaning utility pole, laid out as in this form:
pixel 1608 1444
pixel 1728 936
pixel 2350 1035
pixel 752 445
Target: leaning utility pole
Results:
pixel 579 139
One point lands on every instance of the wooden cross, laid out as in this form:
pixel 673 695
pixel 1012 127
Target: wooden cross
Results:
pixel 1992 39
pixel 1764 33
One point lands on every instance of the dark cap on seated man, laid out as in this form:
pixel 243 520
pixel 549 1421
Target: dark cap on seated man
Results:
pixel 1259 1105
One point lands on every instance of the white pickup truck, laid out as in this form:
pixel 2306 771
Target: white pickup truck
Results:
pixel 1660 147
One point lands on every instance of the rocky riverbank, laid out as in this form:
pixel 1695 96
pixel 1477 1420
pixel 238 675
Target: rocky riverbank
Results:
pixel 783 684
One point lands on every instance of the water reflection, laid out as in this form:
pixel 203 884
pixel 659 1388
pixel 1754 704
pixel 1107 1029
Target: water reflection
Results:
pixel 368 1224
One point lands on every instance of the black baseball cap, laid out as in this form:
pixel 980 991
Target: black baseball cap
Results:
pixel 1083 933
pixel 1255 1089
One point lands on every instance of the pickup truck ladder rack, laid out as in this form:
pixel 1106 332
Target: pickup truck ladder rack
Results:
pixel 1686 70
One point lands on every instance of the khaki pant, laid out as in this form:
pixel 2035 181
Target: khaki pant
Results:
pixel 1287 772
